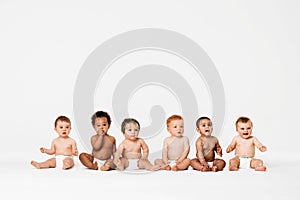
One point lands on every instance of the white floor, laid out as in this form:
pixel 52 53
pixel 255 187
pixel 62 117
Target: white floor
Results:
pixel 21 180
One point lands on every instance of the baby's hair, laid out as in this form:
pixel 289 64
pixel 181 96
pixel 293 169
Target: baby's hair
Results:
pixel 173 117
pixel 201 118
pixel 99 114
pixel 63 119
pixel 243 120
pixel 128 121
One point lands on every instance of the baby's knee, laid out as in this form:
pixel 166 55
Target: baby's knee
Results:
pixel 256 163
pixel 68 163
pixel 220 164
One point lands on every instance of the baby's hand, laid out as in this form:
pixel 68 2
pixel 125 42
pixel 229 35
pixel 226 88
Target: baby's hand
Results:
pixel 116 161
pixel 43 150
pixel 75 153
pixel 263 148
pixel 229 149
pixel 100 132
pixel 219 151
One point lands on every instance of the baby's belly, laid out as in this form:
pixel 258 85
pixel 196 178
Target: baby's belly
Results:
pixel 131 155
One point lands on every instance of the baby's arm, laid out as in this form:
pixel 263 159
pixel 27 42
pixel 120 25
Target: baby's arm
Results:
pixel 232 146
pixel 199 149
pixel 165 152
pixel 186 151
pixel 259 145
pixel 97 141
pixel 49 151
pixel 145 149
pixel 74 148
pixel 118 153
pixel 218 148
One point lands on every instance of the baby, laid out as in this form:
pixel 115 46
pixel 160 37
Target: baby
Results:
pixel 176 147
pixel 133 152
pixel 63 147
pixel 244 145
pixel 104 145
pixel 206 146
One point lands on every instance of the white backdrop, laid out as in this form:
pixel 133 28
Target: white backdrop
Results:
pixel 253 44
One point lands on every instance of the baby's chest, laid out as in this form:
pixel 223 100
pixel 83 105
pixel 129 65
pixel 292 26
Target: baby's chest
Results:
pixel 208 146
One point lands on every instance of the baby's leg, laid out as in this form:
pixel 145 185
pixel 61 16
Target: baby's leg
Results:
pixel 218 165
pixel 108 165
pixel 195 163
pixel 68 163
pixel 160 163
pixel 87 160
pixel 183 165
pixel 145 164
pixel 122 163
pixel 234 164
pixel 50 163
pixel 257 164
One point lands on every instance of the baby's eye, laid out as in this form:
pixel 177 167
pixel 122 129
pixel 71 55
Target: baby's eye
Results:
pixel 242 129
pixel 67 126
pixel 103 124
pixel 175 126
pixel 181 126
pixel 61 127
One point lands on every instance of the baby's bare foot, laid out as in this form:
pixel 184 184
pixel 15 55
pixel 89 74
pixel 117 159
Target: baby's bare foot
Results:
pixel 35 164
pixel 175 168
pixel 214 168
pixel 95 166
pixel 104 168
pixel 204 169
pixel 155 168
pixel 120 166
pixel 233 168
pixel 261 168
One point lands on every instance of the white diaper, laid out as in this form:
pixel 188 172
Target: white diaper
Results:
pixel 172 163
pixel 60 160
pixel 210 164
pixel 245 162
pixel 99 162
pixel 132 164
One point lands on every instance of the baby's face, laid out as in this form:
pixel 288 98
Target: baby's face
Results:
pixel 131 131
pixel 244 129
pixel 101 125
pixel 205 127
pixel 63 128
pixel 176 127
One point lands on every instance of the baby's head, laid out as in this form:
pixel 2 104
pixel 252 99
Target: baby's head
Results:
pixel 175 125
pixel 204 126
pixel 244 126
pixel 62 126
pixel 130 128
pixel 100 114
pixel 101 121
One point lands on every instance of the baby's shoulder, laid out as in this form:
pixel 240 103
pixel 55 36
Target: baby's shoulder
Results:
pixel 185 138
pixel 111 138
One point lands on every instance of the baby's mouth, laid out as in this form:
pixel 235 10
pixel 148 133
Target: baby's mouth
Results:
pixel 245 134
